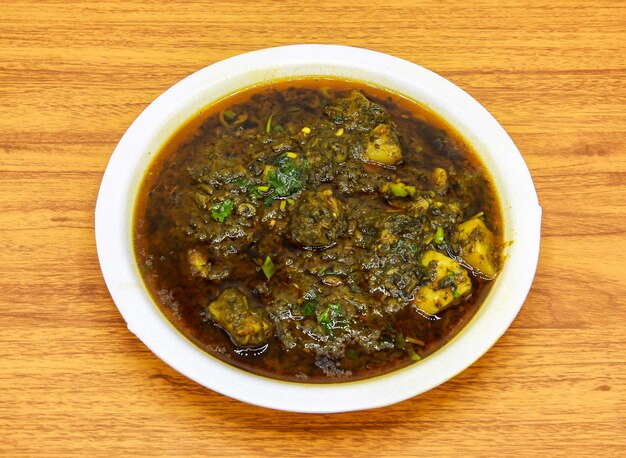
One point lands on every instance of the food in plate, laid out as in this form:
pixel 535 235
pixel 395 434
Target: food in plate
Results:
pixel 318 230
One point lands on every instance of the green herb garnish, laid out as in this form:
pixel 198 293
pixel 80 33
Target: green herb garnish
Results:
pixel 336 308
pixel 438 239
pixel 414 356
pixel 308 308
pixel 230 115
pixel 286 179
pixel 324 317
pixel 402 344
pixel 268 124
pixel 221 210
pixel 268 268
pixel 249 187
pixel 330 316
pixel 402 190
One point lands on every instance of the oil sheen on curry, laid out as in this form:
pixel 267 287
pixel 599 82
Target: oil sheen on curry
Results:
pixel 318 230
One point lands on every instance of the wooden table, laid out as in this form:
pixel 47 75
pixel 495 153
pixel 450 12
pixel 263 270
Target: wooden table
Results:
pixel 74 75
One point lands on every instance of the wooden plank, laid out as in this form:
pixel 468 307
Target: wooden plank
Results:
pixel 74 380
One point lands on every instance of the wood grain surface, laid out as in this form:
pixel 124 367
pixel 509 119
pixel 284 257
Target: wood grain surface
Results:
pixel 74 380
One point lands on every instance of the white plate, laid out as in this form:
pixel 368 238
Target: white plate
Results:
pixel 161 119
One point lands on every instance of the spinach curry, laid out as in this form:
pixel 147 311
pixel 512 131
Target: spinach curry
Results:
pixel 318 230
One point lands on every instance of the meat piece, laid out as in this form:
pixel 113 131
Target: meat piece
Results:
pixel 200 266
pixel 475 244
pixel 450 283
pixel 317 221
pixel 246 326
pixel 383 146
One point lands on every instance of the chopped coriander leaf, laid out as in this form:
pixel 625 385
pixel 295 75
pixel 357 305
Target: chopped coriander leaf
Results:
pixel 325 320
pixel 438 239
pixel 308 308
pixel 268 267
pixel 221 210
pixel 286 179
pixel 328 315
pixel 336 308
pixel 324 317
pixel 249 187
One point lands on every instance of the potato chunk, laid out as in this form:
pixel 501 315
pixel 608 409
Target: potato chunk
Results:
pixel 246 326
pixel 450 285
pixel 200 266
pixel 476 247
pixel 198 263
pixel 439 178
pixel 383 146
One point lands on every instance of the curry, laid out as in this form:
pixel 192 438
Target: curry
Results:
pixel 318 230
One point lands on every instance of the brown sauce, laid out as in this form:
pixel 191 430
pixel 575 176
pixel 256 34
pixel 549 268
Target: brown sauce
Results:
pixel 287 231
